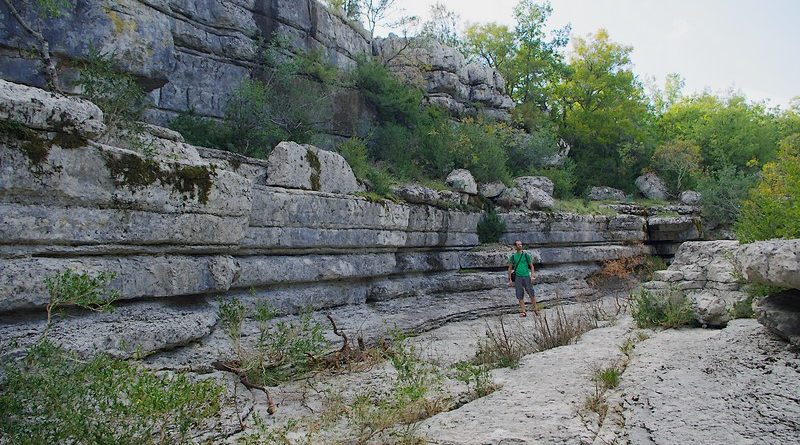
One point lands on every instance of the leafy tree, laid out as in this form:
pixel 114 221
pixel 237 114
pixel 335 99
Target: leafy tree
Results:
pixel 604 111
pixel 492 44
pixel 349 8
pixel 772 209
pixel 42 10
pixel 529 60
pixel 678 162
pixel 729 130
pixel 662 100
pixel 723 192
pixel 442 26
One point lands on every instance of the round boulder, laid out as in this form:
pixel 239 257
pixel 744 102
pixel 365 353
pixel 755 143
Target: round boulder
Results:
pixel 539 182
pixel 416 194
pixel 510 198
pixel 652 186
pixel 492 189
pixel 690 198
pixel 462 181
pixel 606 194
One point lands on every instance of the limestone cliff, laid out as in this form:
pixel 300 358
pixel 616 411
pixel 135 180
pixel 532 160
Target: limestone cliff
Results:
pixel 191 54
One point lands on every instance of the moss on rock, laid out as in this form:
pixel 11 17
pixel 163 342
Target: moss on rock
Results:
pixel 316 168
pixel 135 172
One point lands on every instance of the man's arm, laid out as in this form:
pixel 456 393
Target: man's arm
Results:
pixel 530 264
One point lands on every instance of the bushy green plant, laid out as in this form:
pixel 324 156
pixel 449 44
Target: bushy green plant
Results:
pixel 491 227
pixel 283 101
pixel 394 100
pixel 678 163
pixel 51 396
pixel 355 152
pixel 563 178
pixel 70 288
pixel 722 195
pixel 118 94
pixel 772 209
pixel 669 308
pixel 203 131
pixel 284 350
pixel 476 377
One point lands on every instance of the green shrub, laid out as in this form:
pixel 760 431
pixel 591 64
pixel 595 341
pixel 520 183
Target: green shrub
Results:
pixel 772 209
pixel 355 152
pixel 118 95
pixel 283 101
pixel 52 397
pixel 203 131
pixel 285 349
pixel 723 192
pixel 563 179
pixel 394 100
pixel 476 377
pixel 678 163
pixel 490 227
pixel 69 288
pixel 668 309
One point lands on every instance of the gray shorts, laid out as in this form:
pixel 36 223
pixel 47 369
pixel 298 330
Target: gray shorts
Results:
pixel 523 284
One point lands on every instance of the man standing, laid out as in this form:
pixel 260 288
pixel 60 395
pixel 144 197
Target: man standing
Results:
pixel 520 275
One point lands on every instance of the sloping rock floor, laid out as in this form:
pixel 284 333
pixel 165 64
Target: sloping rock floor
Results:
pixel 737 385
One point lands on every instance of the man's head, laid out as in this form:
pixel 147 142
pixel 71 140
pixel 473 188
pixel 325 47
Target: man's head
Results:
pixel 518 245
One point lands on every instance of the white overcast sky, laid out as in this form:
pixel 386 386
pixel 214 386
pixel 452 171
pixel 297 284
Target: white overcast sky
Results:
pixel 749 45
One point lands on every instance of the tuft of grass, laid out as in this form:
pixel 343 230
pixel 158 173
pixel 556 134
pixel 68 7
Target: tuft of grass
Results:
pixel 607 377
pixel 669 308
pixel 504 345
pixel 558 329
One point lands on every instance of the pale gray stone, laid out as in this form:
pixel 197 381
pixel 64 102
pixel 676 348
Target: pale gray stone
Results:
pixel 541 182
pixel 538 199
pixel 774 262
pixel 461 180
pixel 780 313
pixel 491 189
pixel 652 186
pixel 417 194
pixel 690 197
pixel 605 193
pixel 42 110
pixel 699 386
pixel 510 198
pixel 306 167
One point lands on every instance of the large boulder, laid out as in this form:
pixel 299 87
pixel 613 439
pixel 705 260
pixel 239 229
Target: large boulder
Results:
pixel 706 272
pixel 416 194
pixel 42 110
pixel 690 197
pixel 462 181
pixel 510 198
pixel 538 199
pixel 540 182
pixel 652 186
pixel 492 189
pixel 774 262
pixel 606 194
pixel 307 167
pixel 780 313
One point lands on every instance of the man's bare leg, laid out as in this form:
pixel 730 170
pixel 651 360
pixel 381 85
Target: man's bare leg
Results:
pixel 521 302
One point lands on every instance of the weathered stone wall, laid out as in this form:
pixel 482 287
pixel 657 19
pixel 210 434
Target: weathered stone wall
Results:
pixel 191 223
pixel 191 54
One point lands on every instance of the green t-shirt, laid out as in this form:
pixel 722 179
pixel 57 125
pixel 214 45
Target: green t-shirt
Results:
pixel 523 263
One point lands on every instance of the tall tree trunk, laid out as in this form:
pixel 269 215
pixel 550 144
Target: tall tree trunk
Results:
pixel 42 47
